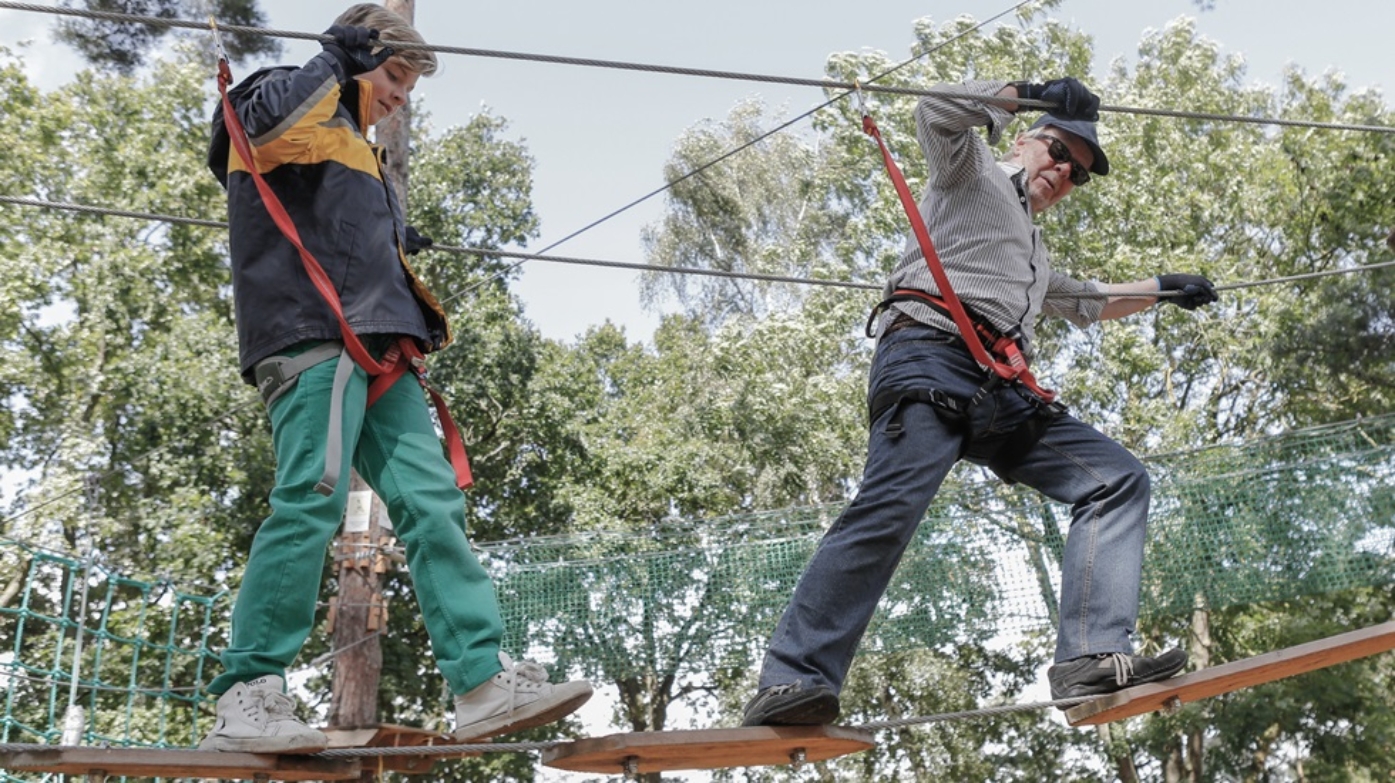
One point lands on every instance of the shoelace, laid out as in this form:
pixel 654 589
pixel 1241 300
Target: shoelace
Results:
pixel 278 706
pixel 1123 667
pixel 783 688
pixel 532 673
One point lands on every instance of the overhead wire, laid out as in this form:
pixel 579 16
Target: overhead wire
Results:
pixel 678 270
pixel 849 88
pixel 826 84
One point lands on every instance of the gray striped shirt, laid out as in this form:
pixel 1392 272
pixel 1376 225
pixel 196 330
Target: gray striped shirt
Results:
pixel 980 220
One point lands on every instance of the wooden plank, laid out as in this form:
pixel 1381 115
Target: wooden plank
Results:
pixel 657 751
pixel 165 763
pixel 1235 675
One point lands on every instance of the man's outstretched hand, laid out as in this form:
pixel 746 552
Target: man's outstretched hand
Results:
pixel 1195 290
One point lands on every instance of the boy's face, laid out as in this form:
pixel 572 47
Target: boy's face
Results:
pixel 392 82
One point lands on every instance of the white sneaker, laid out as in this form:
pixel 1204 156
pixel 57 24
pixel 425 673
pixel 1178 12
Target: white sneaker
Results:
pixel 517 698
pixel 257 717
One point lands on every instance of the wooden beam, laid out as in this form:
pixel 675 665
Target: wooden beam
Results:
pixel 657 751
pixel 165 763
pixel 1235 675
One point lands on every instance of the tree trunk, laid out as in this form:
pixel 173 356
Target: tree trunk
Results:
pixel 1200 653
pixel 1119 752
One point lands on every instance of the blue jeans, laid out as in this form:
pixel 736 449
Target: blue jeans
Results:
pixel 1105 486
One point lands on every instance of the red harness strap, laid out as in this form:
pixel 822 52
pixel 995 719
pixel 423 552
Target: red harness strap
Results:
pixel 400 358
pixel 1013 365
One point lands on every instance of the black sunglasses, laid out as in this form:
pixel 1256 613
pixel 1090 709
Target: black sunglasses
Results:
pixel 1060 153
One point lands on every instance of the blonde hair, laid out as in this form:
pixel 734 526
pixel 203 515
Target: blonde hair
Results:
pixel 392 27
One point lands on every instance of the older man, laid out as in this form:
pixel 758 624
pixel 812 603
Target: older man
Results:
pixel 931 404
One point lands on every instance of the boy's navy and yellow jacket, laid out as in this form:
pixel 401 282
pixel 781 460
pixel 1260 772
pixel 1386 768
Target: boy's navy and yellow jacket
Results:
pixel 306 131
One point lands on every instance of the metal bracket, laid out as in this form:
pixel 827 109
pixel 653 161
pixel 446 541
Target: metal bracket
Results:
pixel 797 758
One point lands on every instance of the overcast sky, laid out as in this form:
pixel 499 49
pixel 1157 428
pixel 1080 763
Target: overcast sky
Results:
pixel 600 138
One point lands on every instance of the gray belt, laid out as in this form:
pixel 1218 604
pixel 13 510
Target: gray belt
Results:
pixel 275 375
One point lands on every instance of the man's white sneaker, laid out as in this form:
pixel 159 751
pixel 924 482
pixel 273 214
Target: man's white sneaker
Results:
pixel 257 717
pixel 517 698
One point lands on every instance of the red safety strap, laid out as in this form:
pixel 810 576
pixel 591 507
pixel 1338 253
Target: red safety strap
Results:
pixel 400 358
pixel 1014 368
pixel 404 355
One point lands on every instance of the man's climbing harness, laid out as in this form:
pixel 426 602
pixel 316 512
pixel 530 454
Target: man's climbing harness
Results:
pixel 997 352
pixel 279 373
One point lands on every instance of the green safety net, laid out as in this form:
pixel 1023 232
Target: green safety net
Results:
pixel 1300 513
pixel 140 659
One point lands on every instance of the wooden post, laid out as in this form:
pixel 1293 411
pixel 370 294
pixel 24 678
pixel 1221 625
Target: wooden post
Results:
pixel 359 663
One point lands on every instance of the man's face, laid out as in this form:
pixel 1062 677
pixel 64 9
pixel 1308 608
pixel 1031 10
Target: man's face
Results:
pixel 392 82
pixel 1049 176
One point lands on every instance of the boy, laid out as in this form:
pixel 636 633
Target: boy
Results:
pixel 306 127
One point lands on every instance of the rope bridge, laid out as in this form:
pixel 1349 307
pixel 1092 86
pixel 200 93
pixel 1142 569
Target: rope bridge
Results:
pixel 1301 513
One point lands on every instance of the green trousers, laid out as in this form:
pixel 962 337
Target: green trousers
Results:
pixel 395 449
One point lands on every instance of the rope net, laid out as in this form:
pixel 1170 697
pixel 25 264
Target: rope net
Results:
pixel 1305 512
pixel 143 655
pixel 1301 513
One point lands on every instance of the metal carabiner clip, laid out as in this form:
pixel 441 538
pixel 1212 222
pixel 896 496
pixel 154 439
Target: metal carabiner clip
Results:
pixel 217 39
pixel 861 99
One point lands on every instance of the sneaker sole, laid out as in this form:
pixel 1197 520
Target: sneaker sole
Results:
pixel 279 745
pixel 818 709
pixel 525 718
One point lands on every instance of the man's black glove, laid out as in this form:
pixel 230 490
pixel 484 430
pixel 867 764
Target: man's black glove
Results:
pixel 353 48
pixel 1196 290
pixel 1073 100
pixel 415 242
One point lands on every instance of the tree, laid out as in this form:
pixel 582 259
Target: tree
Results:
pixel 107 311
pixel 123 45
pixel 776 209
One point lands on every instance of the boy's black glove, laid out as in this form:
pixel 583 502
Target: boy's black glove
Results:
pixel 1073 100
pixel 415 242
pixel 353 48
pixel 1196 290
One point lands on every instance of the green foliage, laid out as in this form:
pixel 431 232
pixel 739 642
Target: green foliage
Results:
pixel 123 45
pixel 118 359
pixel 109 313
pixel 775 209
